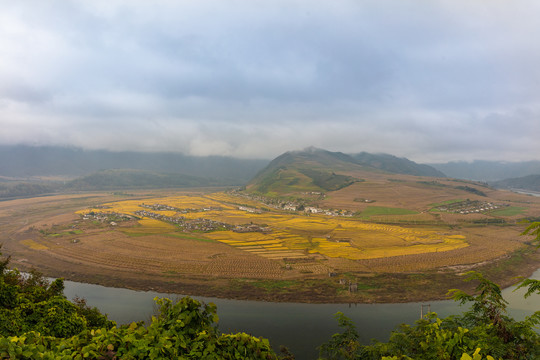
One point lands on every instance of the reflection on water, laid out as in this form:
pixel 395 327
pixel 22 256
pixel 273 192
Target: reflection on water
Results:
pixel 300 327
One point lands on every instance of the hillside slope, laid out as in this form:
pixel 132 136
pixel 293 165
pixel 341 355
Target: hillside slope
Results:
pixel 318 170
pixel 396 165
pixel 530 182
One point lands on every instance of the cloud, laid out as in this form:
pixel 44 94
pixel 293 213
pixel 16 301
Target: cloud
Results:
pixel 433 81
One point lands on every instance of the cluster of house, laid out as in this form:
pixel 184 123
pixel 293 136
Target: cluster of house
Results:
pixel 201 224
pixel 287 205
pixel 469 207
pixel 162 207
pixel 110 217
pixel 251 228
pixel 250 210
pixel 171 219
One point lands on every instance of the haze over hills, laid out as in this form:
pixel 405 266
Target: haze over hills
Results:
pixel 314 169
pixel 529 182
pixel 396 164
pixel 27 161
pixel 481 170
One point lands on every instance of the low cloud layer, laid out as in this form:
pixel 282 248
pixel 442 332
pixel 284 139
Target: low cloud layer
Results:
pixel 432 81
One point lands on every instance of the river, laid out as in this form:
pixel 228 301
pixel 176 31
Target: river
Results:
pixel 300 327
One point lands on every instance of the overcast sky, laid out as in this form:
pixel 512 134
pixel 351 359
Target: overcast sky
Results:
pixel 433 81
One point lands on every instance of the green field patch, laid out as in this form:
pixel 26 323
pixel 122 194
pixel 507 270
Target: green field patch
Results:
pixel 448 202
pixel 189 237
pixel 138 234
pixel 271 285
pixel 509 211
pixel 383 210
pixel 71 232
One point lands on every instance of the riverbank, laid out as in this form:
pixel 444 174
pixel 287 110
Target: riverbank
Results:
pixel 371 288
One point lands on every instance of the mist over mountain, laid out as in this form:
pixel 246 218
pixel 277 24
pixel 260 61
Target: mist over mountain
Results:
pixel 529 182
pixel 26 161
pixel 396 164
pixel 481 170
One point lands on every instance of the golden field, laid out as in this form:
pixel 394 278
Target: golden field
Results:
pixel 292 235
pixel 105 238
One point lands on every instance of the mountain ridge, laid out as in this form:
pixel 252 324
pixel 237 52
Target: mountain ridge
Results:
pixel 319 170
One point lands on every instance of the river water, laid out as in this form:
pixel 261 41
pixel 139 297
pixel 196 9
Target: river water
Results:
pixel 300 327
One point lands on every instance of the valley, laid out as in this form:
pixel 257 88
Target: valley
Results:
pixel 313 226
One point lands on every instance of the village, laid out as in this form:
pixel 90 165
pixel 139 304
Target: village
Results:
pixel 468 207
pixel 297 205
pixel 194 225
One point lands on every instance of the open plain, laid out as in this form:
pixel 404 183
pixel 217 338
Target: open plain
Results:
pixel 229 244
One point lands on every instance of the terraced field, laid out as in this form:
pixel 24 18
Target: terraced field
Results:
pixel 206 241
pixel 289 236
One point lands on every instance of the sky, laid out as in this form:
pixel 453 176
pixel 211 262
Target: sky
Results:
pixel 433 81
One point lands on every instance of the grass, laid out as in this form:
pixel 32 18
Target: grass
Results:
pixel 33 245
pixel 448 202
pixel 509 211
pixel 383 210
pixel 270 285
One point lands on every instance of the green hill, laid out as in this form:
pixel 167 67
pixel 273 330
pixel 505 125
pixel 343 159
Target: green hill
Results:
pixel 129 178
pixel 317 170
pixel 310 170
pixel 396 165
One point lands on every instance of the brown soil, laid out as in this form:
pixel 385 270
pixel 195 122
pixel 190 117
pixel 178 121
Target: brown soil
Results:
pixel 107 255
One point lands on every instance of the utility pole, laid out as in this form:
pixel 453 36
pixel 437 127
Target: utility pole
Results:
pixel 428 306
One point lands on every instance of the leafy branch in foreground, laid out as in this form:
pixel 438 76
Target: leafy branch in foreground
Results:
pixel 38 322
pixel 483 331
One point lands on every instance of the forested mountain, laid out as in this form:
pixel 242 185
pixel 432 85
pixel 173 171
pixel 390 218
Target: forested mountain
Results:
pixel 316 170
pixel 396 164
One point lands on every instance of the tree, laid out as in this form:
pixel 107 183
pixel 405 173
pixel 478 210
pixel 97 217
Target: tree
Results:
pixel 38 322
pixel 485 331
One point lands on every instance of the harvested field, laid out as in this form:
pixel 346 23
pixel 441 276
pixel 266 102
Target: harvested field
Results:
pixel 111 238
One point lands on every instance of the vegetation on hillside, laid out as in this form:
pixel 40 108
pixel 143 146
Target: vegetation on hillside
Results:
pixel 396 165
pixel 128 178
pixel 529 182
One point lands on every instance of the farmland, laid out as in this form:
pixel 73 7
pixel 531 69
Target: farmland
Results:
pixel 226 244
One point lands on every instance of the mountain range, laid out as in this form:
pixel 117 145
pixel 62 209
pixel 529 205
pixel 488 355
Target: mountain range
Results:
pixel 311 168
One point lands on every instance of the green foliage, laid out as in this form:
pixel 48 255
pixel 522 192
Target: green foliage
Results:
pixel 533 229
pixel 484 332
pixel 384 210
pixel 343 345
pixel 38 322
pixel 182 330
pixel 509 211
pixel 328 181
pixel 471 190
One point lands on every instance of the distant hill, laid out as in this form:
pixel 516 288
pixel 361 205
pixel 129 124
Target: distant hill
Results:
pixel 318 170
pixel 129 178
pixel 529 182
pixel 27 161
pixel 488 170
pixel 396 165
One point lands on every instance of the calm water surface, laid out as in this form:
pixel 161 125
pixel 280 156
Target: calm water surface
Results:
pixel 300 327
